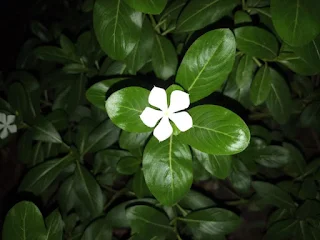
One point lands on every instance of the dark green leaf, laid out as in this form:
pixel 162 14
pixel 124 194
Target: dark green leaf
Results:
pixel 40 31
pixel 23 222
pixel 261 132
pixel 40 177
pixel 55 226
pixel 117 27
pixel 164 58
pixel 147 6
pixel 279 100
pixel 240 176
pixel 43 130
pixel 282 229
pixel 172 12
pixel 257 42
pixel 128 165
pixel 308 189
pixel 98 230
pixel 54 54
pixel 217 165
pixel 167 168
pixel 67 46
pixel 139 185
pixel 309 209
pixel 291 17
pixel 245 71
pixel 261 86
pixel 58 118
pixel 273 156
pixel 125 106
pixel 241 17
pixel 216 130
pixel 310 116
pixel 198 14
pixel 37 155
pixel 194 201
pixel 296 165
pixel 131 141
pixel 207 64
pixel 273 195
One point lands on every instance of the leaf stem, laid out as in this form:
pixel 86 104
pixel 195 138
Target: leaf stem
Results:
pixel 257 61
pixel 244 6
pixel 154 23
pixel 168 31
pixel 184 212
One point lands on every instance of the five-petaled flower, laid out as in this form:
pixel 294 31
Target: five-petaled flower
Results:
pixel 179 100
pixel 6 125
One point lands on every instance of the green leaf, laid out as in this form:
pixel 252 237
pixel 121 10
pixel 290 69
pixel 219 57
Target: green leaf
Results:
pixel 310 116
pixel 207 64
pixel 312 167
pixel 131 141
pixel 139 185
pixel 147 6
pixel 148 221
pixel 272 156
pixel 39 178
pixel 216 130
pixel 309 209
pixel 40 31
pixel 100 229
pixel 54 54
pixel 23 222
pixel 291 17
pixel 279 100
pixel 125 106
pixel 167 168
pixel 257 42
pixel 142 52
pixel 117 27
pixel 128 165
pixel 164 58
pixel 245 71
pixel 261 132
pixel 25 150
pixel 273 195
pixel 195 200
pixel 96 94
pixel 43 130
pixel 67 45
pixel 198 14
pixel 88 190
pixel 261 86
pixel 172 12
pixel 55 226
pixel 296 165
pixel 257 3
pixel 308 189
pixel 37 154
pixel 103 136
pixel 213 221
pixel 217 165
pixel 67 198
pixel 241 17
pixel 240 176
pixel 282 229
pixel 58 118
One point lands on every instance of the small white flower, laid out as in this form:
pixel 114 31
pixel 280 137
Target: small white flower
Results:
pixel 6 125
pixel 179 100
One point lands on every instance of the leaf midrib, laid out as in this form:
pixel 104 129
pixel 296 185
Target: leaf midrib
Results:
pixel 254 42
pixel 48 134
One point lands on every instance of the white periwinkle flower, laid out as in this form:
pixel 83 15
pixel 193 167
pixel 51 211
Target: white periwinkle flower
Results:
pixel 179 100
pixel 6 125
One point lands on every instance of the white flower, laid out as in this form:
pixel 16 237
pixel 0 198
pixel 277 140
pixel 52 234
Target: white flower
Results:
pixel 6 125
pixel 179 100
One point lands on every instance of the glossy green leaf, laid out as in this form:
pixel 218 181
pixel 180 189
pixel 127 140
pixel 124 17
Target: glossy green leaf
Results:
pixel 55 226
pixel 117 27
pixel 218 166
pixel 128 165
pixel 279 100
pixel 240 176
pixel 309 209
pixel 37 155
pixel 142 52
pixel 66 197
pixel 147 6
pixel 130 140
pixel 167 168
pixel 139 185
pixel 282 229
pixel 258 3
pixel 213 221
pixel 310 116
pixel 216 130
pixel 296 165
pixel 54 54
pixel 39 178
pixel 88 190
pixel 245 71
pixel 59 119
pixel 172 12
pixel 67 45
pixel 100 229
pixel 43 130
pixel 198 14
pixel 103 136
pixel 273 156
pixel 257 42
pixel 195 201
pixel 164 58
pixel 148 221
pixel 125 106
pixel 273 195
pixel 291 17
pixel 241 17
pixel 207 64
pixel 23 222
pixel 261 86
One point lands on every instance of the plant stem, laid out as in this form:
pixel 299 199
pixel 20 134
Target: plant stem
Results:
pixel 168 31
pixel 154 23
pixel 115 196
pixel 257 61
pixel 244 6
pixel 184 213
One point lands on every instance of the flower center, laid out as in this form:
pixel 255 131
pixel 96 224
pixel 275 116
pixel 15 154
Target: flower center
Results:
pixel 166 113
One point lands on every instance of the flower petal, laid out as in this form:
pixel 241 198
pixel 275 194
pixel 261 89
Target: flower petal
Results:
pixel 163 130
pixel 12 128
pixel 3 118
pixel 179 100
pixel 182 120
pixel 10 119
pixel 1 126
pixel 158 98
pixel 4 133
pixel 150 116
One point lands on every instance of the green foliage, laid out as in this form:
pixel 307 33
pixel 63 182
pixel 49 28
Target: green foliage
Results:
pixel 242 74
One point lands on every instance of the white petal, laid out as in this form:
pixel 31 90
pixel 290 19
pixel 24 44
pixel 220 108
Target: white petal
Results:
pixel 158 98
pixel 163 130
pixel 10 119
pixel 179 101
pixel 4 133
pixel 150 116
pixel 1 126
pixel 2 118
pixel 12 128
pixel 182 120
